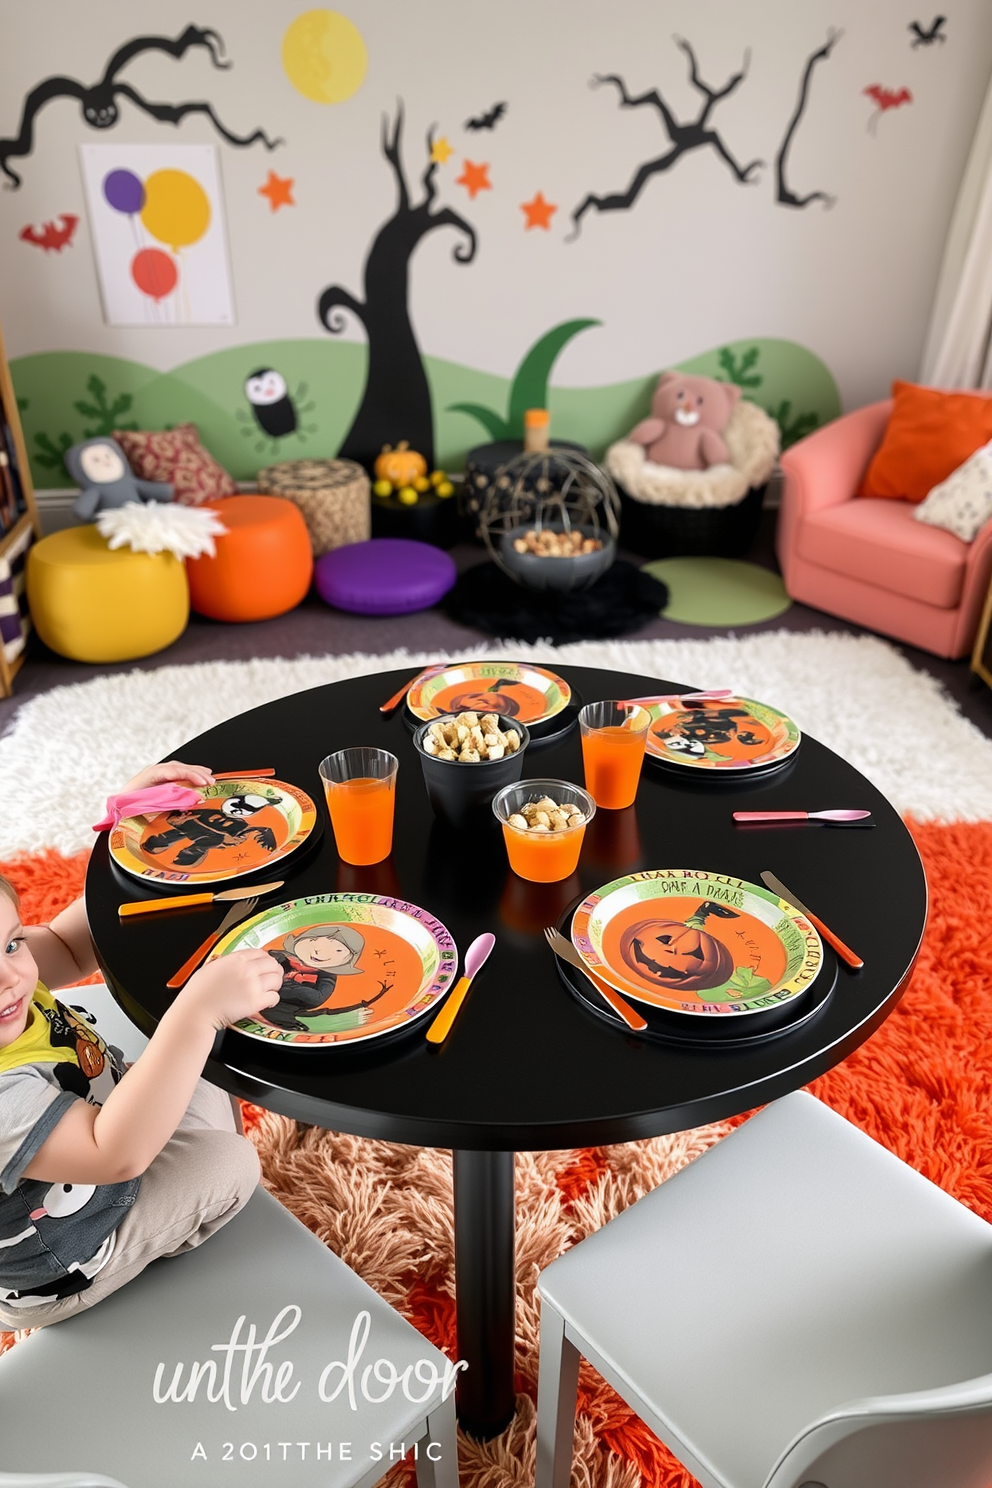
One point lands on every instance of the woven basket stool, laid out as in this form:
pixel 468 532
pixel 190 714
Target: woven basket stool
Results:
pixel 333 496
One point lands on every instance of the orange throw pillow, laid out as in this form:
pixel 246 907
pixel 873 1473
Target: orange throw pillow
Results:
pixel 929 435
pixel 177 456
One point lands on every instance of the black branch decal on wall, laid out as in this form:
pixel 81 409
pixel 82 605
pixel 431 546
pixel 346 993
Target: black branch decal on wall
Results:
pixel 784 195
pixel 694 135
pixel 99 102
pixel 396 403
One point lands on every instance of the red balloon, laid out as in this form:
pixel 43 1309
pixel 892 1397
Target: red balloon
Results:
pixel 154 272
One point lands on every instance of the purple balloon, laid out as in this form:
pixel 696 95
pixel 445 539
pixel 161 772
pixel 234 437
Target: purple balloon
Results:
pixel 124 191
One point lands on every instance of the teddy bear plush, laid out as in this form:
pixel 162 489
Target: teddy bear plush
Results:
pixel 100 469
pixel 689 415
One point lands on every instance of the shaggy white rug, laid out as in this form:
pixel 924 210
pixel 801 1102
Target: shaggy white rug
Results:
pixel 68 749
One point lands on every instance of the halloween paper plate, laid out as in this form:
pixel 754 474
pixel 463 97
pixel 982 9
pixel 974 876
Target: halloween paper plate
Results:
pixel 696 942
pixel 238 827
pixel 512 689
pixel 355 966
pixel 721 735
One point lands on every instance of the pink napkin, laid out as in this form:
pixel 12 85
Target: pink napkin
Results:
pixel 154 798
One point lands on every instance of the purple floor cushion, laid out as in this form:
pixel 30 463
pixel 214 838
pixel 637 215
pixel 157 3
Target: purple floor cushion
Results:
pixel 385 576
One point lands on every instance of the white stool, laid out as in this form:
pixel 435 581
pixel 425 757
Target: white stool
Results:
pixel 796 1307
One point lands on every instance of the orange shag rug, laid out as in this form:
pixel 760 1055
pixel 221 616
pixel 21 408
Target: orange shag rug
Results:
pixel 922 1086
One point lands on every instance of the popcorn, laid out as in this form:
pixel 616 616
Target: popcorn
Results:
pixel 548 544
pixel 470 739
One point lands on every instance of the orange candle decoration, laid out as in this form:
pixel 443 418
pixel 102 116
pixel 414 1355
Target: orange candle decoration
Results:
pixel 543 857
pixel 537 428
pixel 360 790
pixel 613 739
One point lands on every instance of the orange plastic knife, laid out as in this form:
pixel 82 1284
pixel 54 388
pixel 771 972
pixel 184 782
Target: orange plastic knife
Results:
pixel 189 901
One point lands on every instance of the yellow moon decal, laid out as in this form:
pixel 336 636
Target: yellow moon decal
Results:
pixel 324 56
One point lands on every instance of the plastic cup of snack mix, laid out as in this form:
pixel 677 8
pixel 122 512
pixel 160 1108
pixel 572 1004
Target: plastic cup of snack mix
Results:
pixel 460 791
pixel 543 856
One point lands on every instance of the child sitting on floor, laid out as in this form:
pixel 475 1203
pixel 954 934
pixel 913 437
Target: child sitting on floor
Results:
pixel 102 1170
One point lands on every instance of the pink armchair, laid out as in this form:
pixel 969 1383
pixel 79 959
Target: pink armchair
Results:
pixel 869 560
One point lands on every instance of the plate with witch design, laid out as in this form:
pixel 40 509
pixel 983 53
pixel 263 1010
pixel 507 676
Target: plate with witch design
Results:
pixel 698 943
pixel 237 827
pixel 355 966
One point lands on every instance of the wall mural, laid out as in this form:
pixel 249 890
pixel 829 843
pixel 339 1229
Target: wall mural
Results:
pixel 98 103
pixel 694 135
pixel 377 383
pixel 784 195
pixel 396 403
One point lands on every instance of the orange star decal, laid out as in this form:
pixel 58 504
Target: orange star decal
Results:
pixel 279 190
pixel 475 178
pixel 538 212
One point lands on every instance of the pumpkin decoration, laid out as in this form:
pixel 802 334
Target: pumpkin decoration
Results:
pixel 402 472
pixel 401 465
pixel 679 955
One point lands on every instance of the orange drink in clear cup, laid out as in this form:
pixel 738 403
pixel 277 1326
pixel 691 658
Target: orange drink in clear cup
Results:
pixel 614 736
pixel 360 790
pixel 543 856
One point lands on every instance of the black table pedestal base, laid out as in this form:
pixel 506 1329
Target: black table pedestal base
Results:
pixel 485 1281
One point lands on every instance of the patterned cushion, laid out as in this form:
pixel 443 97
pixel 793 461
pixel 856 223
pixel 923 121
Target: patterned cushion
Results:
pixel 963 502
pixel 176 455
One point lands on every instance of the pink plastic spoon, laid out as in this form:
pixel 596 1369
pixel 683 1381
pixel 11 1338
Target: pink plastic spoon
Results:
pixel 475 958
pixel 831 816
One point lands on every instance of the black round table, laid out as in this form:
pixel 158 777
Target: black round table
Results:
pixel 526 1065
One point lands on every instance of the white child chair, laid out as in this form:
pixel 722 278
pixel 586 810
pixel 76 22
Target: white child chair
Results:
pixel 106 1387
pixel 795 1309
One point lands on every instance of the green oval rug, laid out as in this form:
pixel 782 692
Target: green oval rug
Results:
pixel 719 591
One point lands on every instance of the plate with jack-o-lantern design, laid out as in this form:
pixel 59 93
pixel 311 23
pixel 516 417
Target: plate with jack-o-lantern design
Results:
pixel 721 735
pixel 510 689
pixel 696 942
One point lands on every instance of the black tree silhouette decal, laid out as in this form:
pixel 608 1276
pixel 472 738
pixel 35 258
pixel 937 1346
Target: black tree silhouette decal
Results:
pixel 783 194
pixel 684 137
pixel 396 403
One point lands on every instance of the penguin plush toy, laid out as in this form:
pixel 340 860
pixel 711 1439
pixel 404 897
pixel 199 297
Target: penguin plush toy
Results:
pixel 100 469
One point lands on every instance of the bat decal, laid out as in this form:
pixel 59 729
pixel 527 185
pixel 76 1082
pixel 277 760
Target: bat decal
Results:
pixel 885 98
pixel 98 103
pixel 927 37
pixel 489 120
pixel 52 236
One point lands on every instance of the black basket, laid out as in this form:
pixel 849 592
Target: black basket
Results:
pixel 690 531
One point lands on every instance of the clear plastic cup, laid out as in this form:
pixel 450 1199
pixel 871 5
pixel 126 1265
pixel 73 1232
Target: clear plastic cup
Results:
pixel 360 790
pixel 543 857
pixel 614 736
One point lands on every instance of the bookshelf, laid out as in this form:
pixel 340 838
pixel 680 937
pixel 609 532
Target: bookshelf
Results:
pixel 19 528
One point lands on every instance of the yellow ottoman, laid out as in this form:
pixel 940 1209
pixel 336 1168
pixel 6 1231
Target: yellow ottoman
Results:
pixel 93 603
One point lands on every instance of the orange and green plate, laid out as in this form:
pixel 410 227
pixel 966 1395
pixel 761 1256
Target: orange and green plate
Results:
pixel 217 839
pixel 696 942
pixel 513 690
pixel 725 735
pixel 391 965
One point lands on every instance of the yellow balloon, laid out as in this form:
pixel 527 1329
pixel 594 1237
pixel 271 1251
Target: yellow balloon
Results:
pixel 324 56
pixel 177 209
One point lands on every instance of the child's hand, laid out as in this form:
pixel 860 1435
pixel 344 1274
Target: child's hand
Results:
pixel 233 987
pixel 196 775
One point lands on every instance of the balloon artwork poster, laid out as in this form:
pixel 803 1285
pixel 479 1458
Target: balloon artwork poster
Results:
pixel 157 224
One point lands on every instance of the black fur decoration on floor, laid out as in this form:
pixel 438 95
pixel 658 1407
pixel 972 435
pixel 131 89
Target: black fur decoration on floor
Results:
pixel 623 600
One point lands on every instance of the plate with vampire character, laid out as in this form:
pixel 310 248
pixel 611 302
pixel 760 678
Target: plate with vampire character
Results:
pixel 236 828
pixel 697 943
pixel 515 690
pixel 355 966
pixel 721 736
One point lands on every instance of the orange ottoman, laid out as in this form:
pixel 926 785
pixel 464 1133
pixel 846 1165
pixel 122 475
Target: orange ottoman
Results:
pixel 263 562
